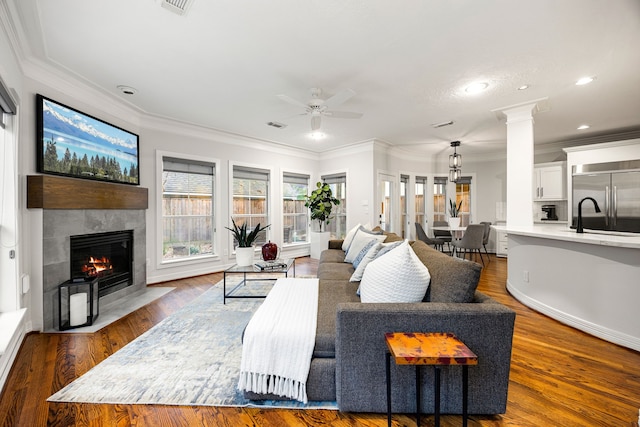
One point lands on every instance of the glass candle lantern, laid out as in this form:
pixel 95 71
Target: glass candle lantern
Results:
pixel 78 303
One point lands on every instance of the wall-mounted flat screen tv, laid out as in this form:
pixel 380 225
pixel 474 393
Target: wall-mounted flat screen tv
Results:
pixel 72 143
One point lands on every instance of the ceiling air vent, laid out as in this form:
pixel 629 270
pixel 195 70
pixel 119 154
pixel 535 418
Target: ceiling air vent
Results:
pixel 179 7
pixel 277 125
pixel 441 125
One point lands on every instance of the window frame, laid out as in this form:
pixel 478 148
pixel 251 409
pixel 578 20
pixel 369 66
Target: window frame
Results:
pixel 268 196
pixel 216 213
pixel 468 202
pixel 443 215
pixel 424 181
pixel 9 212
pixel 340 210
pixel 305 213
pixel 404 194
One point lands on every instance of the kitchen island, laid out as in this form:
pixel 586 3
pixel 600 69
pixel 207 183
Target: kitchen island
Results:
pixel 589 281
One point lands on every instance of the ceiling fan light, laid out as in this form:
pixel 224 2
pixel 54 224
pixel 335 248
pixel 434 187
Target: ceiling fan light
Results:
pixel 315 122
pixel 317 136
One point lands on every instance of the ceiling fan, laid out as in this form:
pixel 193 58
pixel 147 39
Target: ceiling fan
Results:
pixel 317 107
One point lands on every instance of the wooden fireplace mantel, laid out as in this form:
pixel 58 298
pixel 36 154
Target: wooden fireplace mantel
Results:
pixel 55 192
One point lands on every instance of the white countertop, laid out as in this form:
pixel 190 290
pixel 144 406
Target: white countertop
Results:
pixel 559 232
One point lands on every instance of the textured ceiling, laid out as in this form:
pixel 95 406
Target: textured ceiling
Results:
pixel 223 64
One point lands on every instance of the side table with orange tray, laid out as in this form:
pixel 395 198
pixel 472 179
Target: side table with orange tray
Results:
pixel 436 349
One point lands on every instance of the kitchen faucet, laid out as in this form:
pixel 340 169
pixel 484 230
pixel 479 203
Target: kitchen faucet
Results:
pixel 579 225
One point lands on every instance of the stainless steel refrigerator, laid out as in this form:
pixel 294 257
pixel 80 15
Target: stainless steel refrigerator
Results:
pixel 616 188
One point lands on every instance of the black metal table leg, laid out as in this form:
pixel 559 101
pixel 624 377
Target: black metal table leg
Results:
pixel 388 370
pixel 436 396
pixel 418 398
pixel 465 393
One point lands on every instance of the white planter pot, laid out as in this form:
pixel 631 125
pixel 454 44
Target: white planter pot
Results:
pixel 454 222
pixel 244 256
pixel 319 242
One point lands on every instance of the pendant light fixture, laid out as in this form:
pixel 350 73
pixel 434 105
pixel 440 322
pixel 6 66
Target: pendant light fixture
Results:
pixel 455 163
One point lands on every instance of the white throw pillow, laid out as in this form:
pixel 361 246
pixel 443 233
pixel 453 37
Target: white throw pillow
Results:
pixel 371 254
pixel 349 237
pixel 359 241
pixel 398 276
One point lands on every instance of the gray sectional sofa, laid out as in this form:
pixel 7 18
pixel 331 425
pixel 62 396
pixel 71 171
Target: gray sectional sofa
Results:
pixel 348 363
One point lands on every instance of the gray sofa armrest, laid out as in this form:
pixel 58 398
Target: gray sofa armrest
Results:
pixel 335 244
pixel 485 326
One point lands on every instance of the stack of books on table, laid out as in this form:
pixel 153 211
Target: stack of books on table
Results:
pixel 271 265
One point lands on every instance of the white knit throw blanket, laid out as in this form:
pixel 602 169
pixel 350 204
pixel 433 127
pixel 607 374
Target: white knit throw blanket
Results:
pixel 279 340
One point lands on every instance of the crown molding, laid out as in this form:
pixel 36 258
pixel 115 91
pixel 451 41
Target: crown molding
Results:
pixel 368 146
pixel 181 128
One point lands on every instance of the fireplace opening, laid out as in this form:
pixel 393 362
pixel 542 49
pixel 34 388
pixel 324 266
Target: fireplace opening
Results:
pixel 106 256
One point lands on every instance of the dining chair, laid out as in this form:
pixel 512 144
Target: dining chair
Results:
pixel 421 235
pixel 485 238
pixel 472 240
pixel 443 235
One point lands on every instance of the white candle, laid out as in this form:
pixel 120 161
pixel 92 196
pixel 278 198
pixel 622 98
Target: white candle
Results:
pixel 78 309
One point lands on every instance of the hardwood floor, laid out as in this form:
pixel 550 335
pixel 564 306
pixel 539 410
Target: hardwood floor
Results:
pixel 559 376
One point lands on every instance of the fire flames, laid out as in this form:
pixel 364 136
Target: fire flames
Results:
pixel 97 267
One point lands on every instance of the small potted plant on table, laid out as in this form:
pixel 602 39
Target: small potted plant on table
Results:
pixel 245 239
pixel 454 214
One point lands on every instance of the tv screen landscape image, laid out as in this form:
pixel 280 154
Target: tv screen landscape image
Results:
pixel 75 144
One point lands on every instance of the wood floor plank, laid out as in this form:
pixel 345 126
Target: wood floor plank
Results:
pixel 559 376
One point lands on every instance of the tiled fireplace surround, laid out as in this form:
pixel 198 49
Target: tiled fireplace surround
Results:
pixel 60 224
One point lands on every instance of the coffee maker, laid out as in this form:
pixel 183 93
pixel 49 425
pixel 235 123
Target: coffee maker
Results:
pixel 550 211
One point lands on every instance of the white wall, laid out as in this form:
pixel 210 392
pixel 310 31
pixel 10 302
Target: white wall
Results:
pixel 358 163
pixel 173 137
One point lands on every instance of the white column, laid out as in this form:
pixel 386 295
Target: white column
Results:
pixel 520 164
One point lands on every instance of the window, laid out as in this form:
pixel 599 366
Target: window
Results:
pixel 338 223
pixel 440 203
pixel 404 208
pixel 295 216
pixel 250 200
pixel 421 200
pixel 187 208
pixel 463 193
pixel 9 300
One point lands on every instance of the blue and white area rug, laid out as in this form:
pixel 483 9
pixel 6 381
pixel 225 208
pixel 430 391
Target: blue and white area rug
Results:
pixel 190 358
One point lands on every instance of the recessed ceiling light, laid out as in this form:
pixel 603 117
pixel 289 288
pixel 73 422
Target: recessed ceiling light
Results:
pixel 583 127
pixel 127 90
pixel 523 87
pixel 584 81
pixel 317 135
pixel 474 88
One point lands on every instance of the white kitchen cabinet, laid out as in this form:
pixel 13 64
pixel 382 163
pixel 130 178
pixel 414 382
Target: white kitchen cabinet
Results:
pixel 549 181
pixel 502 243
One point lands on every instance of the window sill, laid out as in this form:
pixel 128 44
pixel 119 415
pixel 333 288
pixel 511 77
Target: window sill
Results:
pixel 187 261
pixel 9 325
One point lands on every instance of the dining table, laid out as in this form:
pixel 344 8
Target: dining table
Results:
pixel 456 233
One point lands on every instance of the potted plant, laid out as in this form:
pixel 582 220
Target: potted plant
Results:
pixel 454 214
pixel 320 202
pixel 245 239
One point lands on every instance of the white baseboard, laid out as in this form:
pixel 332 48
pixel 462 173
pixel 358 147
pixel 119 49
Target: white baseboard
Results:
pixel 599 331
